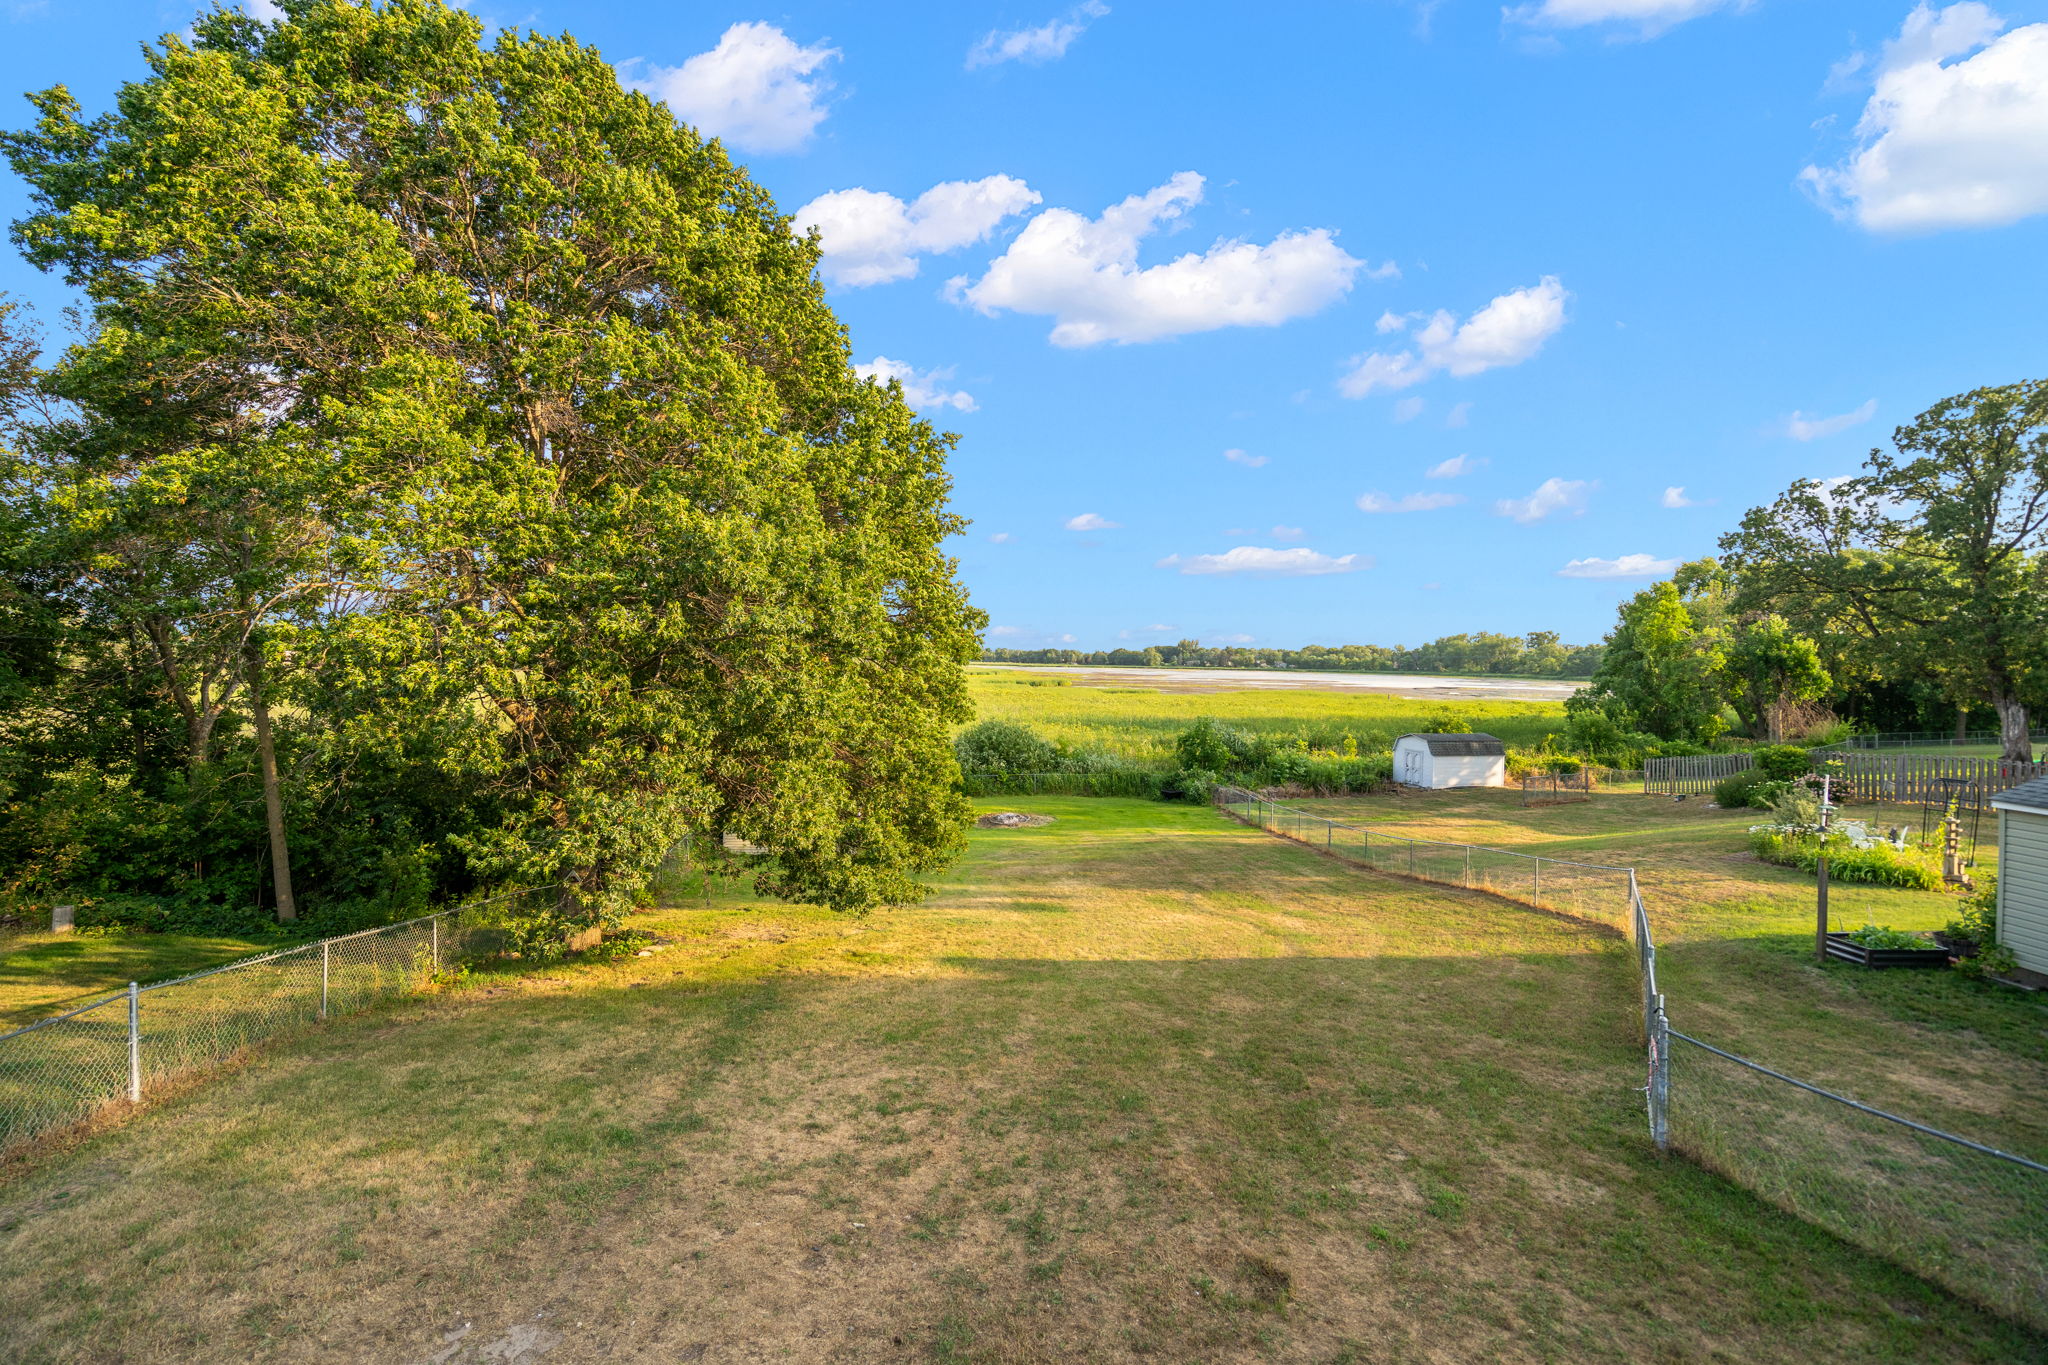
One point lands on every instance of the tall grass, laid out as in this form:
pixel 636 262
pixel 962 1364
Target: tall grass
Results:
pixel 1139 724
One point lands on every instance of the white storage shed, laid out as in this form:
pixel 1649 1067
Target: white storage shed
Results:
pixel 2023 872
pixel 1450 761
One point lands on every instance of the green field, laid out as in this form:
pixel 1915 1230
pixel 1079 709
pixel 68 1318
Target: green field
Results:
pixel 41 973
pixel 1139 1083
pixel 1140 724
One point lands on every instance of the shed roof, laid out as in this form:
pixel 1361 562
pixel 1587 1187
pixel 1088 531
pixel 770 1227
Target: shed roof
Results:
pixel 1461 746
pixel 2027 796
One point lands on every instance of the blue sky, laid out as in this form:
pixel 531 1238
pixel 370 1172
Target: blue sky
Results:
pixel 1353 322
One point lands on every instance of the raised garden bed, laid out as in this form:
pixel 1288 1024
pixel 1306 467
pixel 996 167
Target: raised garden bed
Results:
pixel 1843 948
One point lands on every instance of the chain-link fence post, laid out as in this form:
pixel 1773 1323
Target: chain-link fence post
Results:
pixel 326 951
pixel 1660 1075
pixel 437 945
pixel 1468 867
pixel 134 1043
pixel 1536 880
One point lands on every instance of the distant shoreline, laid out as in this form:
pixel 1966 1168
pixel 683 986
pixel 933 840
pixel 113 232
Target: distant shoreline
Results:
pixel 1434 686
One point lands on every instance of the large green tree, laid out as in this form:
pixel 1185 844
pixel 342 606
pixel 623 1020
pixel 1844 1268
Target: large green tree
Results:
pixel 1931 561
pixel 601 504
pixel 1660 670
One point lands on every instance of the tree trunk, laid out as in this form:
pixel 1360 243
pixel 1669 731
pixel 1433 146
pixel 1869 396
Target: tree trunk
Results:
pixel 2012 728
pixel 1962 724
pixel 273 797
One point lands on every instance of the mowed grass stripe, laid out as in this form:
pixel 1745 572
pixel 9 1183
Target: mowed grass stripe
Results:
pixel 1140 1082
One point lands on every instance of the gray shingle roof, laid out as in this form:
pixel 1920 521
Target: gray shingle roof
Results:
pixel 1461 746
pixel 2030 796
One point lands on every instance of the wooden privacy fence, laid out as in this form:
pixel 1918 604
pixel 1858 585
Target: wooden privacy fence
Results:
pixel 1915 778
pixel 1690 776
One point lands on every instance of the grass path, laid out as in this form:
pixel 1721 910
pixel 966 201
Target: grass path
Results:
pixel 1139 1084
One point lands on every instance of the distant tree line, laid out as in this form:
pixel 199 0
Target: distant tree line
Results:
pixel 1911 596
pixel 1537 654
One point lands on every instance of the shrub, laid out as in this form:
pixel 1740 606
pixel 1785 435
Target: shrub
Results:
pixel 1002 746
pixel 1878 865
pixel 1209 747
pixel 1992 960
pixel 1193 785
pixel 1445 723
pixel 1872 936
pixel 1977 919
pixel 1793 803
pixel 1733 792
pixel 1782 762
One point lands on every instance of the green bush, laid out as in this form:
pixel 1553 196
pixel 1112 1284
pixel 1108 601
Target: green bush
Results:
pixel 1782 762
pixel 1207 746
pixel 1873 936
pixel 1002 746
pixel 1878 865
pixel 1977 918
pixel 1445 723
pixel 1733 792
pixel 1193 785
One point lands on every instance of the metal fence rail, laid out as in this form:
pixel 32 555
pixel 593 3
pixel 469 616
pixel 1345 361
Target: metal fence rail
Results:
pixel 1963 1214
pixel 63 1070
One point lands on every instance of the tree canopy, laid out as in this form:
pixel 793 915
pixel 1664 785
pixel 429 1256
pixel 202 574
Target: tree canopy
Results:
pixel 467 400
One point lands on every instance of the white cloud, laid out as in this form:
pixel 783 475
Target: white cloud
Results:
pixel 1675 498
pixel 999 538
pixel 757 90
pixel 921 388
pixel 1458 416
pixel 1288 533
pixel 1084 273
pixel 1649 17
pixel 1456 467
pixel 1414 502
pixel 868 237
pixel 263 10
pixel 1006 630
pixel 1048 42
pixel 1507 331
pixel 1947 144
pixel 1408 409
pixel 1549 498
pixel 1390 322
pixel 1804 427
pixel 1295 563
pixel 1239 457
pixel 1628 566
pixel 1088 521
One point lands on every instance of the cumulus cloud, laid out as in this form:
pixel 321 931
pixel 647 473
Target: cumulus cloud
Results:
pixel 1944 143
pixel 1458 416
pixel 1414 502
pixel 1089 521
pixel 1005 630
pixel 922 389
pixel 1408 409
pixel 999 538
pixel 1675 498
pixel 1250 461
pixel 1628 566
pixel 867 237
pixel 1549 498
pixel 1456 467
pixel 758 90
pixel 1648 17
pixel 1507 331
pixel 1802 426
pixel 265 11
pixel 1048 42
pixel 1252 559
pixel 1084 274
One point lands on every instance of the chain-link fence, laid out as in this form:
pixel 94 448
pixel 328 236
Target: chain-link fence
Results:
pixel 65 1069
pixel 1963 1214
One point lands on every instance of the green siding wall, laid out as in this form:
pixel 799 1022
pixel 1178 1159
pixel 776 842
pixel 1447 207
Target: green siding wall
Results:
pixel 2023 887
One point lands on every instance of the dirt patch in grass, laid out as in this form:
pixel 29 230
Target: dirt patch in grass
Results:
pixel 1011 819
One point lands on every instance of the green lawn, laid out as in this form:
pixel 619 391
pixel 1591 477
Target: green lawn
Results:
pixel 1139 1083
pixel 41 973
